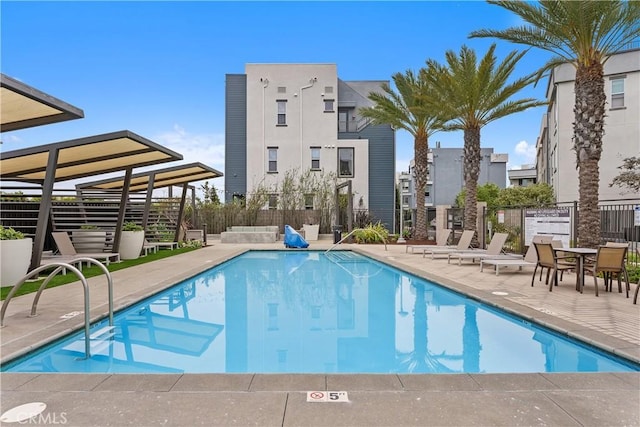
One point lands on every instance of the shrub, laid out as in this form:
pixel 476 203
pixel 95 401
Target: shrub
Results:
pixel 10 234
pixel 131 226
pixel 372 233
pixel 89 227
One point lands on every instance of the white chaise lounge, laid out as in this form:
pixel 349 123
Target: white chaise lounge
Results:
pixel 463 244
pixel 441 242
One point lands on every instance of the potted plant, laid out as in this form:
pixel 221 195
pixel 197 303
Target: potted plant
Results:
pixel 311 231
pixel 131 240
pixel 15 255
pixel 89 239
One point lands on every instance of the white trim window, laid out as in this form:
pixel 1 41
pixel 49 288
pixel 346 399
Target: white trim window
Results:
pixel 308 201
pixel 273 201
pixel 315 158
pixel 329 105
pixel 617 92
pixel 282 112
pixel 345 162
pixel 273 159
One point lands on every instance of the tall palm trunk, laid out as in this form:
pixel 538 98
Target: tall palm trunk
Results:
pixel 472 158
pixel 589 113
pixel 421 157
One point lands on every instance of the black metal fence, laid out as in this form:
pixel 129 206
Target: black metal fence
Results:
pixel 619 222
pixel 620 219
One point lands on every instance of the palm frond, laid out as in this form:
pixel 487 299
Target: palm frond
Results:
pixel 580 32
pixel 470 92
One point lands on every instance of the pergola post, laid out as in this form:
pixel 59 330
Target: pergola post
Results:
pixel 147 203
pixel 183 199
pixel 123 209
pixel 45 209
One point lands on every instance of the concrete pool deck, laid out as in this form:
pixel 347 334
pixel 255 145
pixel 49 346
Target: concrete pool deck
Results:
pixel 610 321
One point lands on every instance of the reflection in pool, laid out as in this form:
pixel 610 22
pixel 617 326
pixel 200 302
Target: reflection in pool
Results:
pixel 311 312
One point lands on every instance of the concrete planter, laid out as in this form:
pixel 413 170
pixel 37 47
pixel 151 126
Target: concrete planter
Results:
pixel 15 257
pixel 89 241
pixel 311 231
pixel 131 243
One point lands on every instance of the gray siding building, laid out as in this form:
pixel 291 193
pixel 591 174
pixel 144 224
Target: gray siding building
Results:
pixel 446 174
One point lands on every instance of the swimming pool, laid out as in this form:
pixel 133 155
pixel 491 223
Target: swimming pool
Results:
pixel 308 312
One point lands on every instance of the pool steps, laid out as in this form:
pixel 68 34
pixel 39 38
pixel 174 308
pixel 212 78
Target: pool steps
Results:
pixel 101 338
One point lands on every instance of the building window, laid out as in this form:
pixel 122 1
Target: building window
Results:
pixel 273 159
pixel 273 201
pixel 315 158
pixel 345 162
pixel 328 106
pixel 308 201
pixel 617 92
pixel 346 122
pixel 282 112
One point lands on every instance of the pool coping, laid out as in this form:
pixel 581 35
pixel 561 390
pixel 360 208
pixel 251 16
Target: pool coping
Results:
pixel 374 400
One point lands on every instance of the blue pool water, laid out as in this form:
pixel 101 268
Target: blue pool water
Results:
pixel 309 312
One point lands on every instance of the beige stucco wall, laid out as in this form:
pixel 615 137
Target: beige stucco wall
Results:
pixel 622 129
pixel 307 124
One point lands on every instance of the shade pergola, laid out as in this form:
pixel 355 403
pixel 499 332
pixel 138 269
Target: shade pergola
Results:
pixel 79 158
pixel 181 175
pixel 22 106
pixel 158 178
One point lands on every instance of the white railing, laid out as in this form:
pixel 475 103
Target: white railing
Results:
pixel 353 231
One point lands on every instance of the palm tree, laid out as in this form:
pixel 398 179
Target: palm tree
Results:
pixel 475 94
pixel 584 34
pixel 408 109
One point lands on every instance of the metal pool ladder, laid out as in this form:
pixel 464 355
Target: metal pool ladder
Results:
pixel 68 265
pixel 353 231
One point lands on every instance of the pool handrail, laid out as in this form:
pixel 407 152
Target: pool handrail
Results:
pixel 353 275
pixel 353 231
pixel 85 285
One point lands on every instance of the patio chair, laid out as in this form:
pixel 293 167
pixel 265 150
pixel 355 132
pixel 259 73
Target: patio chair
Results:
pixel 530 258
pixel 494 250
pixel 547 258
pixel 66 249
pixel 463 243
pixel 610 260
pixel 441 242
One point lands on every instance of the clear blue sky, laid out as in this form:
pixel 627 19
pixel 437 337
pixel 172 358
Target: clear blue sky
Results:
pixel 158 68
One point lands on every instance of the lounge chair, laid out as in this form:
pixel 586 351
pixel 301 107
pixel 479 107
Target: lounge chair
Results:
pixel 494 249
pixel 443 238
pixel 530 258
pixel 158 245
pixel 66 249
pixel 463 243
pixel 51 259
pixel 149 247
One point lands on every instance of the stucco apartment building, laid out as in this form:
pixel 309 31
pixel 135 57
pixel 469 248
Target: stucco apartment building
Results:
pixel 556 161
pixel 284 117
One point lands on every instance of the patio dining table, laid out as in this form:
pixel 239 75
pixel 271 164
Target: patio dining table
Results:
pixel 581 254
